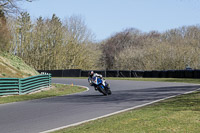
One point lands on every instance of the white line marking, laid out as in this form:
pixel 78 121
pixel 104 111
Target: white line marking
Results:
pixel 117 112
pixel 74 93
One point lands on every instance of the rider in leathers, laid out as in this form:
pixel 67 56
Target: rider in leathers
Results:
pixel 91 75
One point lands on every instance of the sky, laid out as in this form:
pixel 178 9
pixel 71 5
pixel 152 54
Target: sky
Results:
pixel 106 17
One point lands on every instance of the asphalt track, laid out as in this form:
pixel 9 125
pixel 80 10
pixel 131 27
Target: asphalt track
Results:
pixel 50 113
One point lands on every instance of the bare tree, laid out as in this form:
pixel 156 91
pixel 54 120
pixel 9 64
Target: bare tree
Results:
pixel 173 49
pixel 4 33
pixel 10 6
pixel 117 43
pixel 79 53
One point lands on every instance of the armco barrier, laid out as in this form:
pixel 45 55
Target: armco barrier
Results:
pixel 9 86
pixel 126 73
pixel 19 86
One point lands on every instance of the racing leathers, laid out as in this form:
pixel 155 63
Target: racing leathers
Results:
pixel 91 79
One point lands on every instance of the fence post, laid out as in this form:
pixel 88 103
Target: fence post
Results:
pixel 80 73
pixel 49 80
pixel 62 72
pixel 117 73
pixel 19 83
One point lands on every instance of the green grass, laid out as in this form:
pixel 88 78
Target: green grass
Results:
pixel 176 115
pixel 57 90
pixel 12 66
pixel 181 80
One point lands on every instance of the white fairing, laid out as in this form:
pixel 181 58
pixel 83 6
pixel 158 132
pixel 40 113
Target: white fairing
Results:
pixel 103 81
pixel 97 75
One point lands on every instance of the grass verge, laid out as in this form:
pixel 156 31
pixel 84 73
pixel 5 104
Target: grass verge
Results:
pixel 57 90
pixel 180 114
pixel 181 80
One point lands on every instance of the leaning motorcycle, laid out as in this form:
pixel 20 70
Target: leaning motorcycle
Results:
pixel 101 85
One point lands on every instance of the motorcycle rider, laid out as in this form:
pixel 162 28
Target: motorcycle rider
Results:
pixel 91 76
pixel 93 79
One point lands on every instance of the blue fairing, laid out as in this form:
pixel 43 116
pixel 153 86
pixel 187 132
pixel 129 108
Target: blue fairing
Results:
pixel 102 86
pixel 99 81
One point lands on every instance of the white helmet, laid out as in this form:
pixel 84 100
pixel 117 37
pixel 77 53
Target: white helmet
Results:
pixel 92 72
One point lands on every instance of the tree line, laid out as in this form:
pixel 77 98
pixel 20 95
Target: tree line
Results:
pixel 52 43
pixel 132 49
pixel 49 44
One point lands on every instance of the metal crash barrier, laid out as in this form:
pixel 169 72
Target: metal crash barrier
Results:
pixel 20 86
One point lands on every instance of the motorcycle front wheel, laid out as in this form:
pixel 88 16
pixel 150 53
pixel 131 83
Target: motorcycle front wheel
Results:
pixel 102 90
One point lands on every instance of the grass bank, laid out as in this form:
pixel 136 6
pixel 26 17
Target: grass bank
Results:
pixel 12 66
pixel 179 114
pixel 56 90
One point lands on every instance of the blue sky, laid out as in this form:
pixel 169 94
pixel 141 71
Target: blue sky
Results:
pixel 106 17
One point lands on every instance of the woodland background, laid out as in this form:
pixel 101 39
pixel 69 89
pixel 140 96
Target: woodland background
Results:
pixel 52 44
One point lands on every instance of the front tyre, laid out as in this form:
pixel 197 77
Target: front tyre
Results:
pixel 102 90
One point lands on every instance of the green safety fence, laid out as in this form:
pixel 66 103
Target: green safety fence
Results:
pixel 20 86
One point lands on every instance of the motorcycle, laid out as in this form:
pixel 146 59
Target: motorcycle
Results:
pixel 100 84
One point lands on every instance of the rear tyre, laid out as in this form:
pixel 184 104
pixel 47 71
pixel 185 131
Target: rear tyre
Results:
pixel 109 92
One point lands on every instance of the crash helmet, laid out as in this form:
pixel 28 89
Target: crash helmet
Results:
pixel 91 73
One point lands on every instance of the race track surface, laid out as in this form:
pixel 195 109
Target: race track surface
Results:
pixel 50 113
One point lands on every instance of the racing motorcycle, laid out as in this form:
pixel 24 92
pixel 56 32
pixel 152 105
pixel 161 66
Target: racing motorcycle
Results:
pixel 100 84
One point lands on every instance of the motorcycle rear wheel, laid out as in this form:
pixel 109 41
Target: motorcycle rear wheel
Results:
pixel 109 92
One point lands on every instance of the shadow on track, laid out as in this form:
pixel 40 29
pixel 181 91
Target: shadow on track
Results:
pixel 120 96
